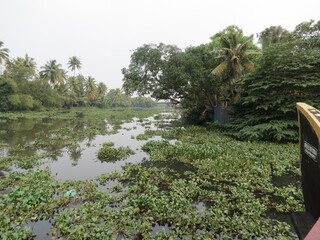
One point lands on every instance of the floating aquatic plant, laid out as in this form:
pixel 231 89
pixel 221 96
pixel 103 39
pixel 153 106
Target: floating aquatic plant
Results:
pixel 157 198
pixel 110 154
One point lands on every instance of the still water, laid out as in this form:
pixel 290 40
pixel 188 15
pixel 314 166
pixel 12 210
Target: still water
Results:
pixel 21 137
pixel 79 161
pixel 86 165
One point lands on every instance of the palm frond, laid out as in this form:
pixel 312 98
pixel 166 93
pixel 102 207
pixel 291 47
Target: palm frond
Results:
pixel 251 53
pixel 220 68
pixel 245 44
pixel 250 67
pixel 224 42
pixel 238 70
pixel 227 51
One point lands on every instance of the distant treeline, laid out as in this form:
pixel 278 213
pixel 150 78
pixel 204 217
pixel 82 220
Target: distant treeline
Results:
pixel 24 87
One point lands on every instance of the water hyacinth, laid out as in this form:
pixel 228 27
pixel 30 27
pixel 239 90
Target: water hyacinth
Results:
pixel 195 183
pixel 107 153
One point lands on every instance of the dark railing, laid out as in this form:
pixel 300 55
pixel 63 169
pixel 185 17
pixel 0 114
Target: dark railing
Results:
pixel 309 134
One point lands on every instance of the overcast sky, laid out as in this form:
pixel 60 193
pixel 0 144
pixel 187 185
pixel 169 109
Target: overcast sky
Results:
pixel 103 33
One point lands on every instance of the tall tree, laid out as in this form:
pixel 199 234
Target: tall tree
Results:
pixel 73 84
pixel 181 77
pixel 21 69
pixel 101 89
pixel 236 51
pixel 4 54
pixel 272 35
pixel 29 63
pixel 308 33
pixel 53 72
pixel 91 87
pixel 101 92
pixel 146 67
pixel 187 76
pixel 74 63
pixel 287 74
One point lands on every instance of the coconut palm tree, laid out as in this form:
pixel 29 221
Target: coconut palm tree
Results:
pixel 91 87
pixel 53 72
pixel 20 69
pixel 73 84
pixel 74 63
pixel 272 35
pixel 4 55
pixel 29 63
pixel 236 52
pixel 101 89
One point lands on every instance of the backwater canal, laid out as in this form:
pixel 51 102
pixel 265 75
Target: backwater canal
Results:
pixel 179 197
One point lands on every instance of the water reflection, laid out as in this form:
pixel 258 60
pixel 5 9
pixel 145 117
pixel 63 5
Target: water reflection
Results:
pixel 22 133
pixel 42 228
pixel 73 144
pixel 75 154
pixel 88 165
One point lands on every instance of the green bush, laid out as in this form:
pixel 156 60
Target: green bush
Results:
pixel 143 102
pixel 288 73
pixel 14 101
pixel 7 88
pixel 26 102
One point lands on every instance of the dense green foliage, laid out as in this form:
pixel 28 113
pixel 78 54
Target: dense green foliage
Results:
pixel 288 73
pixel 261 86
pixel 181 77
pixel 236 52
pixel 145 71
pixel 7 88
pixel 198 77
pixel 187 80
pixel 22 88
pixel 272 35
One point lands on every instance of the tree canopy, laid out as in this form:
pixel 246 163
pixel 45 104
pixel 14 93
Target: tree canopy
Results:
pixel 4 53
pixel 167 72
pixel 146 69
pixel 288 73
pixel 261 85
pixel 23 88
pixel 272 35
pixel 53 72
pixel 74 63
pixel 236 52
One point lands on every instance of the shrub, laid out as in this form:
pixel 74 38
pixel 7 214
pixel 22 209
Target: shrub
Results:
pixel 288 73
